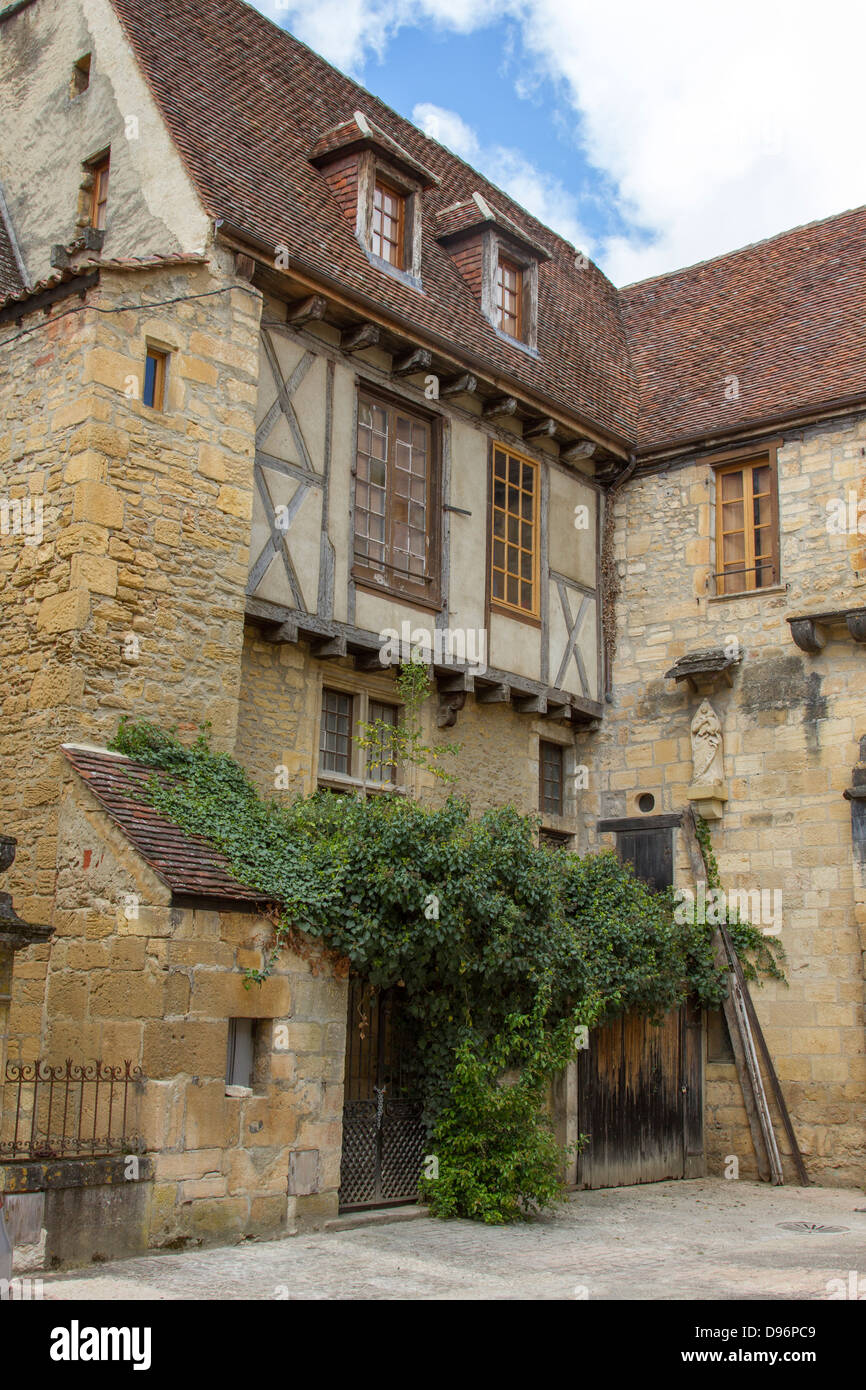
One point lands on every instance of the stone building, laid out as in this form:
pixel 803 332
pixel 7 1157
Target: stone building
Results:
pixel 282 380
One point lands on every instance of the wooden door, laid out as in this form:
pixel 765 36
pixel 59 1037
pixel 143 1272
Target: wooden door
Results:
pixel 640 1085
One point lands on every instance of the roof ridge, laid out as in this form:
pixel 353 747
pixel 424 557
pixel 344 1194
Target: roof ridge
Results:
pixel 740 250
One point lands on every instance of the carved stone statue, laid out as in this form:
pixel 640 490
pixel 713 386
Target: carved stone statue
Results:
pixel 707 752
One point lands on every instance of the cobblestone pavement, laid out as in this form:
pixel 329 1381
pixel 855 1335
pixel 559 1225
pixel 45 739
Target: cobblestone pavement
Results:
pixel 707 1239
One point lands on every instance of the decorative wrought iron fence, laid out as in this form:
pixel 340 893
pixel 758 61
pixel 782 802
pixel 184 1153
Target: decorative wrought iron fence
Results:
pixel 74 1110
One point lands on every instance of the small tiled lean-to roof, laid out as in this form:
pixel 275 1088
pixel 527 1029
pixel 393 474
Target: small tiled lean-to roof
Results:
pixel 188 864
pixel 247 105
pixel 785 317
pixel 11 279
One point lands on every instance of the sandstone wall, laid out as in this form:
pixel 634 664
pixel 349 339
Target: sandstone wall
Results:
pixel 791 724
pixel 131 978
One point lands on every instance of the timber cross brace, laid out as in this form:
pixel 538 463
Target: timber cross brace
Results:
pixel 573 625
pixel 304 473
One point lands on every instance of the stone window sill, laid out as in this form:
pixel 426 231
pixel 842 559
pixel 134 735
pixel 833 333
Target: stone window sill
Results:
pixel 749 593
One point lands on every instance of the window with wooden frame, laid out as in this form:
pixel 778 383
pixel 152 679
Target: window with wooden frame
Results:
pixel 155 378
pixel 514 549
pixel 388 230
pixel 99 192
pixel 395 475
pixel 350 764
pixel 335 736
pixel 747 530
pixel 384 718
pixel 551 778
pixel 509 298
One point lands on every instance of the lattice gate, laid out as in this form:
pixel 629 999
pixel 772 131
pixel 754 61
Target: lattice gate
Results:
pixel 383 1130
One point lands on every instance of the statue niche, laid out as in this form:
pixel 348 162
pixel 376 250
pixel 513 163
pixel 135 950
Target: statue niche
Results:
pixel 708 790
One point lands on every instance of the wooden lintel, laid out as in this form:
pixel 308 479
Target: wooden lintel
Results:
pixel 501 405
pixel 541 429
pixel 363 335
pixel 418 360
pixel 463 385
pixel 303 310
pixel 582 449
pixel 493 695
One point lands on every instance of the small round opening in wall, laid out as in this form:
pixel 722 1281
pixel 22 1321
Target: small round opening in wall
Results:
pixel 646 802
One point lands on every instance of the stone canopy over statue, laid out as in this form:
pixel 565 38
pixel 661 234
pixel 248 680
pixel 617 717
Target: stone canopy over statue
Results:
pixel 708 763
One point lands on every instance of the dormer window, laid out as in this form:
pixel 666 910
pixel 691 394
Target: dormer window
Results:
pixel 389 224
pixel 509 297
pixel 499 261
pixel 378 186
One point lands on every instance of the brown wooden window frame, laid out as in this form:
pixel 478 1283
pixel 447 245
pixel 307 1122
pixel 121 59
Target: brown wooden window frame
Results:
pixel 342 695
pixel 498 603
pixel 545 748
pixel 754 581
pixel 385 187
pixel 359 779
pixel 99 171
pixel 503 264
pixel 384 576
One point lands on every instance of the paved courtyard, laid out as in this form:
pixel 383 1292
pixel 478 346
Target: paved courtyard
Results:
pixel 707 1239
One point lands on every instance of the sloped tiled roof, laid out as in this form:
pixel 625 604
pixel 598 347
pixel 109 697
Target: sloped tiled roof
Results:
pixel 11 279
pixel 188 864
pixel 246 103
pixel 786 317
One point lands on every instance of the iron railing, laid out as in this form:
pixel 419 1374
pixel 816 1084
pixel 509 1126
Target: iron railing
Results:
pixel 74 1110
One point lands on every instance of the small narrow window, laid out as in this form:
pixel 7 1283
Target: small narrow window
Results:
pixel 80 76
pixel 509 298
pixel 99 193
pixel 389 223
pixel 514 533
pixel 155 373
pixel 551 778
pixel 335 740
pixel 240 1053
pixel 747 540
pixel 385 719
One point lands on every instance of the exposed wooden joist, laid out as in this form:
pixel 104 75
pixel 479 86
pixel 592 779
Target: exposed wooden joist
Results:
pixel 363 335
pixel 285 632
pixel 303 310
pixel 418 360
pixel 583 449
pixel 501 405
pixel 530 704
pixel 330 648
pixel 493 695
pixel 463 385
pixel 541 429
pixel 454 682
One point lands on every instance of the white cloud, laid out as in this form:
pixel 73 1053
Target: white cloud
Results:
pixel 715 125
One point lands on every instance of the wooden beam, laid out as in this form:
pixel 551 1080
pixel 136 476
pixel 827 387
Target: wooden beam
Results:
pixel 501 405
pixel 541 429
pixel 530 704
pixel 303 310
pixel 245 266
pixel 286 632
pixel 493 695
pixel 418 360
pixel 363 335
pixel 583 449
pixel 454 682
pixel 328 648
pixel 463 385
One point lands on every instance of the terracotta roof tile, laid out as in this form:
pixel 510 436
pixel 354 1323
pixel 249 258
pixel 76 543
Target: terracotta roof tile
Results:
pixel 11 279
pixel 188 864
pixel 786 317
pixel 246 103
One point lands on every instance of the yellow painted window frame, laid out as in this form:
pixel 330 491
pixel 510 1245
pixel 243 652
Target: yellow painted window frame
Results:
pixel 502 604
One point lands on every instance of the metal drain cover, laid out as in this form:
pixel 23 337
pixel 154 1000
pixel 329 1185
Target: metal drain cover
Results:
pixel 811 1226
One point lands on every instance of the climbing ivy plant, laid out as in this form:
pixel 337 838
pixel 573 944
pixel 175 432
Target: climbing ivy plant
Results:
pixel 505 947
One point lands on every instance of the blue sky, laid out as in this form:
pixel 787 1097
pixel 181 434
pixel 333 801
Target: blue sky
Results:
pixel 651 135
